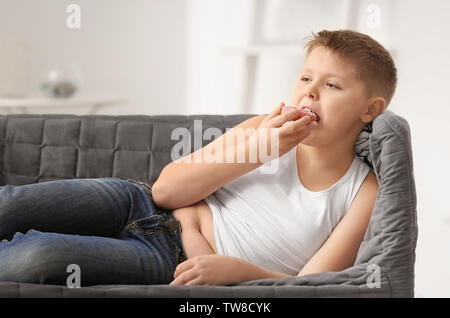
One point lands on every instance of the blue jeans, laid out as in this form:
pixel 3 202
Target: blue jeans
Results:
pixel 109 227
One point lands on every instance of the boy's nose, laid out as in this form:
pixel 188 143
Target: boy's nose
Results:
pixel 311 94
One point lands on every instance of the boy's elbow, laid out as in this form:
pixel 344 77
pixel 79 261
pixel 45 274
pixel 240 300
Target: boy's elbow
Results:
pixel 159 196
pixel 163 198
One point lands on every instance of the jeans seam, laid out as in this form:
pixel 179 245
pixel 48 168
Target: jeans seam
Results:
pixel 176 251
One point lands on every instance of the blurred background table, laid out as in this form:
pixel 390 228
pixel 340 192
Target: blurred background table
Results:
pixel 33 105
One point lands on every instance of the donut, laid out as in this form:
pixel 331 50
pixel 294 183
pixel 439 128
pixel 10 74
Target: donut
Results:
pixel 305 111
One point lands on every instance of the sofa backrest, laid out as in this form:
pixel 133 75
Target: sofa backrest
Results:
pixel 38 148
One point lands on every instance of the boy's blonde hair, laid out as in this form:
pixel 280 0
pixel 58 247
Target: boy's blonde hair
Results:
pixel 372 61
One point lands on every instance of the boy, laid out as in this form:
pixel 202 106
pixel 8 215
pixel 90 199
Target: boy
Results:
pixel 347 80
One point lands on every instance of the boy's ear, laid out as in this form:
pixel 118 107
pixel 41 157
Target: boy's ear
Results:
pixel 375 106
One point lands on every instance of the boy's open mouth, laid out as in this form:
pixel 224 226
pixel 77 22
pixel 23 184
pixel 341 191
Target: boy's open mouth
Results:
pixel 304 111
pixel 308 112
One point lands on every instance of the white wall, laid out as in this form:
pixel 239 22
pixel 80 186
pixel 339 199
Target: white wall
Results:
pixel 133 49
pixel 164 56
pixel 420 33
pixel 216 79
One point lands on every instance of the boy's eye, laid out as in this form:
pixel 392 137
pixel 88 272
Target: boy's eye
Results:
pixel 304 79
pixel 331 85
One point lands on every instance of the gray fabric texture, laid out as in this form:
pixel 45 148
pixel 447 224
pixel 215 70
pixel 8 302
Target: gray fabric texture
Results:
pixel 38 148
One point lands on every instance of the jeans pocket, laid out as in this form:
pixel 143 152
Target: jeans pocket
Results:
pixel 159 230
pixel 149 225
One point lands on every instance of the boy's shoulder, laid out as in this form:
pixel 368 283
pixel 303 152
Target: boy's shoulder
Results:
pixel 369 187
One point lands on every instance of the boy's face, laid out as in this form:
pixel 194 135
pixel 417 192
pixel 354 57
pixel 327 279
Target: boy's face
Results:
pixel 328 85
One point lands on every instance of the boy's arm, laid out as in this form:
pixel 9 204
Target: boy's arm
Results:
pixel 170 191
pixel 340 250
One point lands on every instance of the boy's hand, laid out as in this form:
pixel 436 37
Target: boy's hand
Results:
pixel 290 129
pixel 208 270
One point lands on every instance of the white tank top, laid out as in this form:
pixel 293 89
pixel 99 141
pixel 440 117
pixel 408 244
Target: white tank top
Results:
pixel 273 221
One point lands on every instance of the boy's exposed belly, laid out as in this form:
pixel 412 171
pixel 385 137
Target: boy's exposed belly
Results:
pixel 198 219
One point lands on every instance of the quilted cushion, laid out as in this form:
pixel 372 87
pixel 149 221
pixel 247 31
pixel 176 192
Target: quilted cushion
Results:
pixel 38 148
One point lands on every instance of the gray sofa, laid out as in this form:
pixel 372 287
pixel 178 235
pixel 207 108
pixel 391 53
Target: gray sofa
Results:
pixel 38 148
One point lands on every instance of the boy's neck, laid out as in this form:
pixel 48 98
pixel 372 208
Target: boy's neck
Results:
pixel 329 157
